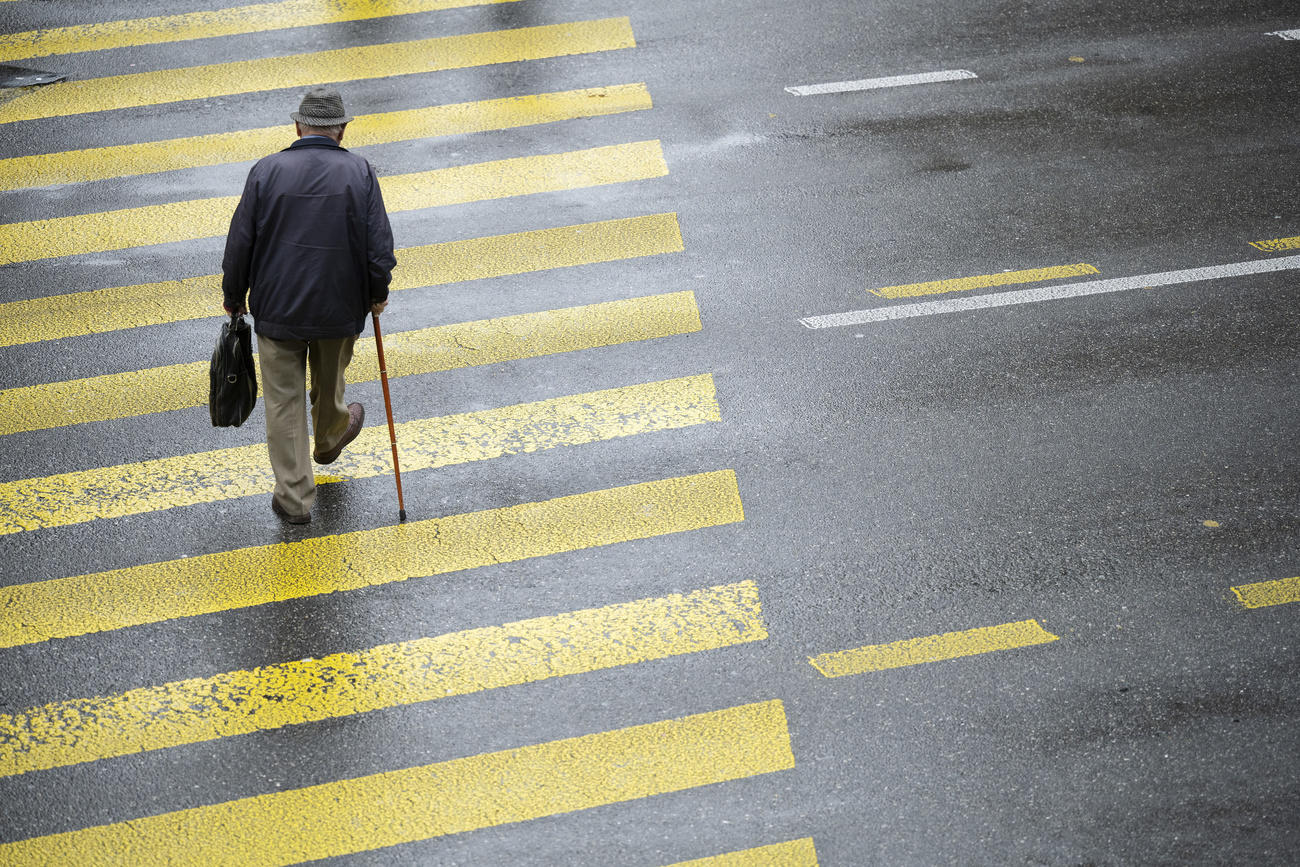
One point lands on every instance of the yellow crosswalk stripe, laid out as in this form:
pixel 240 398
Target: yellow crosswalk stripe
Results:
pixel 932 648
pixel 795 853
pixel 1267 593
pixel 1277 245
pixel 227 474
pixel 204 584
pixel 984 281
pixel 429 350
pixel 343 684
pixel 233 21
pixel 103 310
pixel 93 164
pixel 394 807
pixel 307 70
pixel 210 218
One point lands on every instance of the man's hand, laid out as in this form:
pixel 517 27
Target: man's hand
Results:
pixel 378 307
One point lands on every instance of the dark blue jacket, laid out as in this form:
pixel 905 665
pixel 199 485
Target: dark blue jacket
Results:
pixel 309 243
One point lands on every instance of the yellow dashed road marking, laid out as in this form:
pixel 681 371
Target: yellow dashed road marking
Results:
pixel 93 164
pixel 308 70
pixel 64 607
pixel 932 648
pixel 1267 593
pixel 104 310
pixel 209 477
pixel 1277 245
pixel 210 218
pixel 215 22
pixel 273 696
pixel 796 853
pixel 984 281
pixel 429 350
pixel 483 791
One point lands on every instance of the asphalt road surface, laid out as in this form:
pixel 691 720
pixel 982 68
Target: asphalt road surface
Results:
pixel 833 433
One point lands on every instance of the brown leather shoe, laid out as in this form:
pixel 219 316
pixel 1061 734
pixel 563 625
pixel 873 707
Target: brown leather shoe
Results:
pixel 284 513
pixel 356 416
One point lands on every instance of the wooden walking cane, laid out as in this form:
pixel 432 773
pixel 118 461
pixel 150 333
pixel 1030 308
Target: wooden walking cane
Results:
pixel 388 405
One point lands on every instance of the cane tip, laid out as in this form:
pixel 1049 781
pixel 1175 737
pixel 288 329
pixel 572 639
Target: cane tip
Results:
pixel 401 514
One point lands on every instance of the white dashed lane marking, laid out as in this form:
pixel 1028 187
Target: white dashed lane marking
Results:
pixel 875 83
pixel 1052 293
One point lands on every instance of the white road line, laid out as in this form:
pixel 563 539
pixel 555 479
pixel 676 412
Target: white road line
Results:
pixel 1052 293
pixel 1286 34
pixel 873 83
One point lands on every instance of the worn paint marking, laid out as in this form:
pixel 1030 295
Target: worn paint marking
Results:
pixel 1287 34
pixel 226 474
pixel 307 70
pixel 1052 293
pixel 1277 245
pixel 876 83
pixel 1267 593
pixel 484 791
pixel 93 164
pixel 204 584
pixel 343 684
pixel 984 281
pixel 258 18
pixel 429 350
pixel 932 648
pixel 103 310
pixel 210 218
pixel 795 853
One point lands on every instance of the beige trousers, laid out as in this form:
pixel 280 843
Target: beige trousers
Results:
pixel 283 364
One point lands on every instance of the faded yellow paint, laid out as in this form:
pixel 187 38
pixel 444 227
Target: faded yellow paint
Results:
pixel 152 593
pixel 932 648
pixel 451 797
pixel 795 853
pixel 103 310
pixel 92 164
pixel 1267 593
pixel 1277 245
pixel 429 350
pixel 321 67
pixel 209 477
pixel 984 281
pixel 232 21
pixel 343 684
pixel 210 218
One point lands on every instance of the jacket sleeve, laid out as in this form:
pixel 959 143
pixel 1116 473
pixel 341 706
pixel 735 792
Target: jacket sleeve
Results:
pixel 379 243
pixel 237 261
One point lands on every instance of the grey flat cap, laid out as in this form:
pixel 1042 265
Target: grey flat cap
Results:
pixel 321 107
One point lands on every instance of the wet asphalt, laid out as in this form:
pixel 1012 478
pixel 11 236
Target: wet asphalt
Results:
pixel 1056 461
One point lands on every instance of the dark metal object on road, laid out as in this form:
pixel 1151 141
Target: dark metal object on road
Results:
pixel 388 405
pixel 17 76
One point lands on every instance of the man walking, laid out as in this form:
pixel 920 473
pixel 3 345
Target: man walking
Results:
pixel 311 247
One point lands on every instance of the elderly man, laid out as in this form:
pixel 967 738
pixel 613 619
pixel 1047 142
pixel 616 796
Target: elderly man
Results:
pixel 311 247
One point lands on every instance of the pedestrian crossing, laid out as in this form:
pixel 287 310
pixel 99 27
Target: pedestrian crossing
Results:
pixel 208 24
pixel 424 351
pixel 227 474
pixel 154 157
pixel 210 218
pixel 343 684
pixel 336 66
pixel 453 797
pixel 537 778
pixel 46 608
pixel 793 853
pixel 99 311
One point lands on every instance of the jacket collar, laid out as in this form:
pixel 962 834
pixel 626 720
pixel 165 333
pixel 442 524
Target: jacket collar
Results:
pixel 316 141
